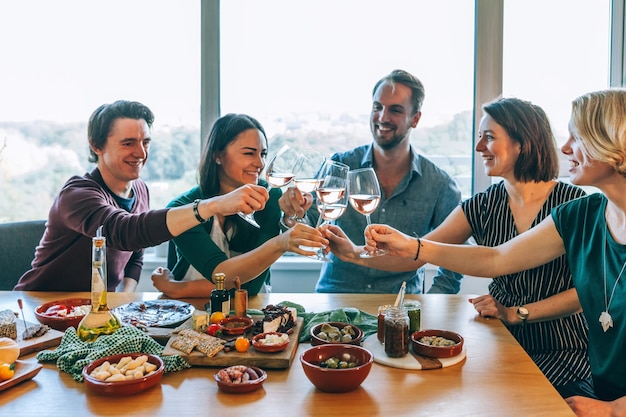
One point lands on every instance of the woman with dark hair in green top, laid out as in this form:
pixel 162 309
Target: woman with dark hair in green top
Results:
pixel 232 160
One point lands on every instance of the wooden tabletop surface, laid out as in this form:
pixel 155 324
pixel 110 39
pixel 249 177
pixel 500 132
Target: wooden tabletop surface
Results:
pixel 497 378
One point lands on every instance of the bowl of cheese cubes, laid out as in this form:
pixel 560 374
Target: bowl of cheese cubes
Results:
pixel 123 374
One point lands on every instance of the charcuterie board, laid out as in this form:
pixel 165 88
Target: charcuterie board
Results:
pixel 50 339
pixel 276 360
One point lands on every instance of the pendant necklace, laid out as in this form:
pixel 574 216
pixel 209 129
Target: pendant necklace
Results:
pixel 605 318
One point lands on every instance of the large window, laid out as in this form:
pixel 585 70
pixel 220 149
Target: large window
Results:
pixel 62 59
pixel 306 69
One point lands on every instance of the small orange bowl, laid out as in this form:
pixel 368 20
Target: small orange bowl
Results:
pixel 235 325
pixel 127 387
pixel 253 384
pixel 46 315
pixel 316 340
pixel 257 343
pixel 434 351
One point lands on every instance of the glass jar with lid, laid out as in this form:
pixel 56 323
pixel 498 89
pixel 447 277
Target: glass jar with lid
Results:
pixel 396 332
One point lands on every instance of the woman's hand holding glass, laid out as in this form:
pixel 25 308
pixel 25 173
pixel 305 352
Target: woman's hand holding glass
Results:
pixel 364 193
pixel 393 241
pixel 280 171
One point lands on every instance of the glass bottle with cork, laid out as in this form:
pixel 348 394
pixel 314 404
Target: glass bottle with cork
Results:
pixel 100 320
pixel 220 297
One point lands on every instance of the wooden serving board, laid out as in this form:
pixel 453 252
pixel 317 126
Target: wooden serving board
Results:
pixel 50 339
pixel 277 360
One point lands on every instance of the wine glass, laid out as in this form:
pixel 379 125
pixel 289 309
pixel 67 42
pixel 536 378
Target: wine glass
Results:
pixel 364 197
pixel 332 181
pixel 280 171
pixel 306 180
pixel 329 213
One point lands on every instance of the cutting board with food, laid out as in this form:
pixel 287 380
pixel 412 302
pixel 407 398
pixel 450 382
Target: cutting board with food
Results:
pixel 214 351
pixel 38 337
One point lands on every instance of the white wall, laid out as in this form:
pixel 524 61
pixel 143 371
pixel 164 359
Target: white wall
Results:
pixel 297 274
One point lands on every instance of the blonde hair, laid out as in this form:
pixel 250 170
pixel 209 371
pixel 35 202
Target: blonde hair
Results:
pixel 599 119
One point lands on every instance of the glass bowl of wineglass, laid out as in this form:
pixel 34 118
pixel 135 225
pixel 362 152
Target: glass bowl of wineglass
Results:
pixel 364 192
pixel 306 180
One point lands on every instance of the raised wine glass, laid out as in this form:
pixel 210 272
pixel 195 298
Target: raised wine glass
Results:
pixel 306 180
pixel 329 213
pixel 364 196
pixel 332 182
pixel 279 172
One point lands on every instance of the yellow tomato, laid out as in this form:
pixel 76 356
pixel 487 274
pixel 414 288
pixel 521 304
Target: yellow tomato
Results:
pixel 216 317
pixel 6 371
pixel 242 344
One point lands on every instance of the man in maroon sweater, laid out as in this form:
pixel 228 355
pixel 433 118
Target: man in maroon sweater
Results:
pixel 113 196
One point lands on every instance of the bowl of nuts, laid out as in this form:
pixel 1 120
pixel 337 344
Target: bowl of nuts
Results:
pixel 335 332
pixel 123 374
pixel 437 343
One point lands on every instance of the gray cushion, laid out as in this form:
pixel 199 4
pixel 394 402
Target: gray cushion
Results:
pixel 18 241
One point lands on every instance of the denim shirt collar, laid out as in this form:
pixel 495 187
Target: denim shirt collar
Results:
pixel 416 164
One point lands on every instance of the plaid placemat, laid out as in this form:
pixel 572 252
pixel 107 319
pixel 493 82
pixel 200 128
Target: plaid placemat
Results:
pixel 73 354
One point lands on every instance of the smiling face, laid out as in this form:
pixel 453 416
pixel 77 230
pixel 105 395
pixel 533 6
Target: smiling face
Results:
pixel 584 170
pixel 124 154
pixel 498 151
pixel 243 160
pixel 392 118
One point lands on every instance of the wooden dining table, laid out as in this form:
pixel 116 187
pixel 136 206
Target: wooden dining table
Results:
pixel 497 377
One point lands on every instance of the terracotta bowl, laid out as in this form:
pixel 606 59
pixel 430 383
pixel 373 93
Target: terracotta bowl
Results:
pixel 340 379
pixel 249 386
pixel 57 322
pixel 267 348
pixel 127 387
pixel 315 340
pixel 431 351
pixel 235 325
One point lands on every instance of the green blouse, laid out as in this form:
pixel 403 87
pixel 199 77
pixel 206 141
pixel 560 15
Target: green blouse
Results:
pixel 195 246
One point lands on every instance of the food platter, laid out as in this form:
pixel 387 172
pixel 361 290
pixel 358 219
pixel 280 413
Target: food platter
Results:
pixel 155 313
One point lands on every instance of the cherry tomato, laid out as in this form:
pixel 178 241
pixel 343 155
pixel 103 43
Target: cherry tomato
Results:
pixel 6 371
pixel 214 330
pixel 242 344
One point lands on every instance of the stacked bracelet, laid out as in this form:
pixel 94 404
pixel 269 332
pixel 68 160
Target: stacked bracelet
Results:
pixel 196 212
pixel 419 246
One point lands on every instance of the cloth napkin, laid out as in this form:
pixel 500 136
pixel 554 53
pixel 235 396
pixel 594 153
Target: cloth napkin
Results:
pixel 365 321
pixel 73 354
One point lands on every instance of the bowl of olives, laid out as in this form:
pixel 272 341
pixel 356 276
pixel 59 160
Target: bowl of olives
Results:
pixel 335 332
pixel 336 367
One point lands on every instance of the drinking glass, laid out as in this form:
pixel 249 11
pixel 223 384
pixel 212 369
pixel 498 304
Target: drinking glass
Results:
pixel 329 213
pixel 306 180
pixel 364 192
pixel 280 171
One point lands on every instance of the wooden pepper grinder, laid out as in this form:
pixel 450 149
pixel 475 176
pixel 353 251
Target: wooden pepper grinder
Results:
pixel 240 299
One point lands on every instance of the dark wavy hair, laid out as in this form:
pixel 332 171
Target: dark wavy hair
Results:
pixel 101 121
pixel 528 125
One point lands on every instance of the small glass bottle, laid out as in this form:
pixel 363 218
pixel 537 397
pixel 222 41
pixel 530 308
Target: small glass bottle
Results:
pixel 220 298
pixel 396 332
pixel 382 310
pixel 100 320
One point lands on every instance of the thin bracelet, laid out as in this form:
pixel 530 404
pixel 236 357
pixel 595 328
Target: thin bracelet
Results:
pixel 419 246
pixel 197 213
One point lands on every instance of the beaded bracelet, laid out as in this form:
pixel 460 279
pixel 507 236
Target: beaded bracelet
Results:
pixel 196 212
pixel 419 246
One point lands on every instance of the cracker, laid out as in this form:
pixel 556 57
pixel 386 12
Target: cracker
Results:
pixel 185 344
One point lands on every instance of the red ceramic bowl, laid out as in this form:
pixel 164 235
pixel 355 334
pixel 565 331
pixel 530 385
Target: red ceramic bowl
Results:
pixel 341 379
pixel 269 348
pixel 238 388
pixel 58 322
pixel 316 340
pixel 426 349
pixel 235 325
pixel 127 387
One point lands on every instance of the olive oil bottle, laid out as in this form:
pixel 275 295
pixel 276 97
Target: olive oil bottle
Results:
pixel 100 320
pixel 220 298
